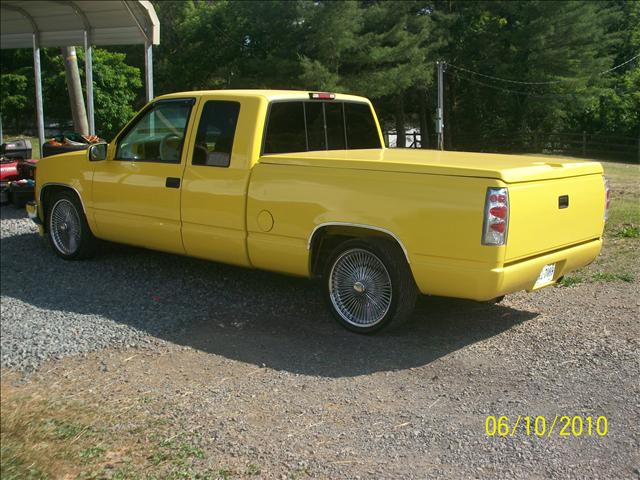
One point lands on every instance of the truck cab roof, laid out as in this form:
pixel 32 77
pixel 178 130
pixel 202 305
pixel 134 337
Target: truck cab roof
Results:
pixel 269 95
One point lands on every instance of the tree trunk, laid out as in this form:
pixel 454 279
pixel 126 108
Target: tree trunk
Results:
pixel 401 139
pixel 424 126
pixel 76 99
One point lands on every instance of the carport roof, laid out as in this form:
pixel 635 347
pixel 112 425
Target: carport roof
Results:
pixel 63 23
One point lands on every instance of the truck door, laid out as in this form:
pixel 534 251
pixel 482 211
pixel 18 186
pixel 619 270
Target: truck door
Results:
pixel 215 180
pixel 136 193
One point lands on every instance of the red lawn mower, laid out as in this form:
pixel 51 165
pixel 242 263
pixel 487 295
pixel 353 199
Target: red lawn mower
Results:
pixel 18 169
pixel 17 173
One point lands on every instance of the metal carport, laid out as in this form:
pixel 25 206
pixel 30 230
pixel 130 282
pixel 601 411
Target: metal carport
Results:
pixel 48 23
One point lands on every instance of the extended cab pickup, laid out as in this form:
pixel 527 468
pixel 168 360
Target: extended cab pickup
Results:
pixel 300 183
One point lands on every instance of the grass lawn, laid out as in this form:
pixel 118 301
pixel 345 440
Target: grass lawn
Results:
pixel 46 438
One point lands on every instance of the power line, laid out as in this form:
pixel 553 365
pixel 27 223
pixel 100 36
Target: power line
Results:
pixel 516 92
pixel 501 79
pixel 621 65
pixel 552 82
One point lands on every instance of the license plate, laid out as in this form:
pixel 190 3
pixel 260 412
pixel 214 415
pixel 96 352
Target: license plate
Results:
pixel 546 275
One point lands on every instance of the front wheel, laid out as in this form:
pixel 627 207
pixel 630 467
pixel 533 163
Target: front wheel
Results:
pixel 368 285
pixel 68 232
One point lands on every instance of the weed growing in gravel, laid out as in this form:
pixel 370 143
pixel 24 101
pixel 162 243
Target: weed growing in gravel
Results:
pixel 63 429
pixel 224 474
pixel 570 281
pixel 628 231
pixel 92 454
pixel 613 277
pixel 298 473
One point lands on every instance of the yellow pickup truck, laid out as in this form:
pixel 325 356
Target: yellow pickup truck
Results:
pixel 301 183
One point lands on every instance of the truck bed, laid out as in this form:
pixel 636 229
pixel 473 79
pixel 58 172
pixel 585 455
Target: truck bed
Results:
pixel 508 168
pixel 450 191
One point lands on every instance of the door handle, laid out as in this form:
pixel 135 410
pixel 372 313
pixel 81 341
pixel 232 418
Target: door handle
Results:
pixel 172 182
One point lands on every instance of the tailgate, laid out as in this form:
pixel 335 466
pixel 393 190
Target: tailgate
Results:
pixel 538 224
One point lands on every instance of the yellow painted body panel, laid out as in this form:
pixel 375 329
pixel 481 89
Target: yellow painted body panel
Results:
pixel 214 198
pixel 428 221
pixel 71 170
pixel 536 223
pixel 131 203
pixel 262 211
pixel 484 282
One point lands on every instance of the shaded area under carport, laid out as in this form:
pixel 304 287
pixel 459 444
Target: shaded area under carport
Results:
pixel 48 23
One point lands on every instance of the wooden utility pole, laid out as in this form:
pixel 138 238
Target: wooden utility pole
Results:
pixel 76 100
pixel 440 110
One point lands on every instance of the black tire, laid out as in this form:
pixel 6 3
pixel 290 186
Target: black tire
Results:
pixel 84 243
pixel 392 275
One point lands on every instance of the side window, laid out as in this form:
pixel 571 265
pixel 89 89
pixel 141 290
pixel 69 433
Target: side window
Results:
pixel 361 129
pixel 286 131
pixel 158 136
pixel 216 132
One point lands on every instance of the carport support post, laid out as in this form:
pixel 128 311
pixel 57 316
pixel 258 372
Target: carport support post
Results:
pixel 38 78
pixel 88 76
pixel 148 69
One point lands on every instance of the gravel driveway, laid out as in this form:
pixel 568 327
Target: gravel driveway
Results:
pixel 252 362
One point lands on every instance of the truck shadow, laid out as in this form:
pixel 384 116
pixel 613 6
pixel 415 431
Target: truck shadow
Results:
pixel 251 316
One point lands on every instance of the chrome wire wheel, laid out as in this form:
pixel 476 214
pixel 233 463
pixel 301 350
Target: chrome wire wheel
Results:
pixel 65 227
pixel 360 288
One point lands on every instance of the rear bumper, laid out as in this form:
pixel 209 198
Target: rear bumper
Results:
pixel 473 281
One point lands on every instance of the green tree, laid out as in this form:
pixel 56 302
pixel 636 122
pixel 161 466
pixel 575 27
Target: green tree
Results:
pixel 616 110
pixel 249 44
pixel 565 44
pixel 116 85
pixel 333 32
pixel 387 51
pixel 13 98
pixel 382 49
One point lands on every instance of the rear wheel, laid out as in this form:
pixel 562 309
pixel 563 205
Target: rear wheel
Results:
pixel 68 232
pixel 368 285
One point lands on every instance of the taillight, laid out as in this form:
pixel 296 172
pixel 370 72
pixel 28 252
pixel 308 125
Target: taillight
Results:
pixel 496 217
pixel 607 198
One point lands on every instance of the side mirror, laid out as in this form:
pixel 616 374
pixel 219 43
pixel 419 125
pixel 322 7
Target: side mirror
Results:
pixel 98 152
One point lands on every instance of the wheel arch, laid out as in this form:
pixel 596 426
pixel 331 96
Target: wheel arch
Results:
pixel 48 190
pixel 326 236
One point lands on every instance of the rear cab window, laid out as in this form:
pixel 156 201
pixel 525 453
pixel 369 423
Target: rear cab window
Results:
pixel 301 126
